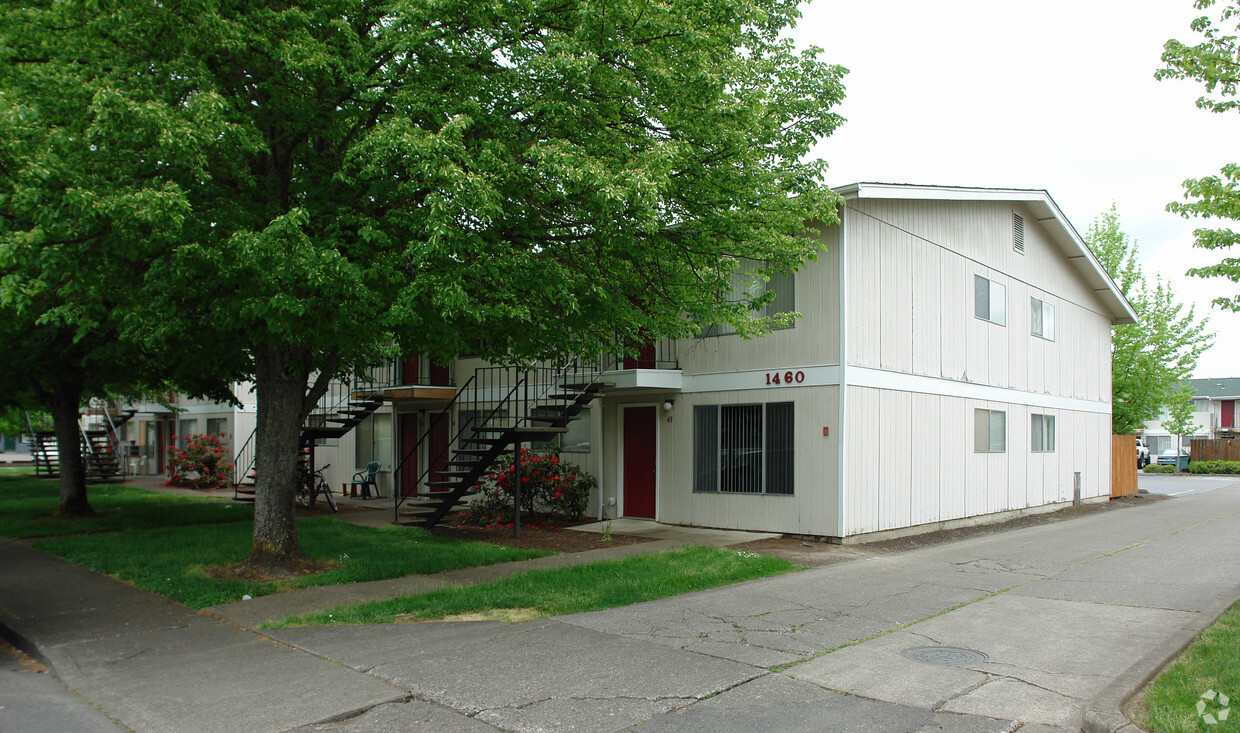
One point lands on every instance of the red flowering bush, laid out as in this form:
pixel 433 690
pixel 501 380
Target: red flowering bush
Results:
pixel 202 464
pixel 549 485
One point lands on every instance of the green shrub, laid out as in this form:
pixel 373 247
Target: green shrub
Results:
pixel 1155 468
pixel 1226 467
pixel 549 485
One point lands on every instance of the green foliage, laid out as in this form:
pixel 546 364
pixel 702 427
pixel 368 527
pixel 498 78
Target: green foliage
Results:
pixel 1211 662
pixel 1156 468
pixel 574 589
pixel 171 561
pixel 1151 358
pixel 1179 418
pixel 297 187
pixel 202 464
pixel 1214 467
pixel 549 485
pixel 1216 64
pixel 27 503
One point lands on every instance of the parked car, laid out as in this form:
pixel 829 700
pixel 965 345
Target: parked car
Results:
pixel 1143 454
pixel 1170 457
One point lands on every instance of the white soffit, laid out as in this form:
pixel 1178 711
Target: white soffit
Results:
pixel 1045 210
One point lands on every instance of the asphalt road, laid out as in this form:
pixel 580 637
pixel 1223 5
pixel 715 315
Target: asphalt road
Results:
pixel 1182 484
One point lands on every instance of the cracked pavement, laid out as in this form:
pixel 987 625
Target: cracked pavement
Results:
pixel 1060 611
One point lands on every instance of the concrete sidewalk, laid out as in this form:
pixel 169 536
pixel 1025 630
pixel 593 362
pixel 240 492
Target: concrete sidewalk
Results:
pixel 1046 619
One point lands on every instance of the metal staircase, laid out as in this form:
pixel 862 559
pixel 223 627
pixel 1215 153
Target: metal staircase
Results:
pixel 100 447
pixel 498 409
pixel 344 406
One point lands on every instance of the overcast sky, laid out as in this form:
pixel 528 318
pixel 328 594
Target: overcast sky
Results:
pixel 1058 95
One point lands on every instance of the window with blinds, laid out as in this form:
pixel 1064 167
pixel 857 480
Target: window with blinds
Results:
pixel 743 449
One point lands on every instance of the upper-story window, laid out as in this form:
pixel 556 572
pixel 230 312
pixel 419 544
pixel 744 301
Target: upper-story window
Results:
pixel 1043 314
pixel 989 300
pixel 746 285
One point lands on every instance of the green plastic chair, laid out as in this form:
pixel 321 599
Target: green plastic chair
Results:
pixel 366 479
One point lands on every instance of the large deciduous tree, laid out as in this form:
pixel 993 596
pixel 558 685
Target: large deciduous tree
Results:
pixel 1150 358
pixel 82 208
pixel 549 176
pixel 1215 62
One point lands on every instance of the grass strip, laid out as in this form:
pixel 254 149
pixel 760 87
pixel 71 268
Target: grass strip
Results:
pixel 170 561
pixel 27 503
pixel 1210 664
pixel 573 589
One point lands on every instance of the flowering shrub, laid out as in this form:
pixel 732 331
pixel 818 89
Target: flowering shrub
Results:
pixel 202 464
pixel 549 485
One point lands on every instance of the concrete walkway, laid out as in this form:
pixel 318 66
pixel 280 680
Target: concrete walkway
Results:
pixel 1055 624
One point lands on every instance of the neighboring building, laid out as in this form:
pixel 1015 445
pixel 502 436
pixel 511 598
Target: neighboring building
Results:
pixel 1214 413
pixel 974 326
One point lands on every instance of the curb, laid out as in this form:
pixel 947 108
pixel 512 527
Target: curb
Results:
pixel 1104 713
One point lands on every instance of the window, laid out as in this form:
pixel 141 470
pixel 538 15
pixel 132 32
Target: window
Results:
pixel 1043 314
pixel 989 431
pixel 576 440
pixel 374 440
pixel 186 429
pixel 1042 429
pixel 989 300
pixel 218 426
pixel 743 449
pixel 746 285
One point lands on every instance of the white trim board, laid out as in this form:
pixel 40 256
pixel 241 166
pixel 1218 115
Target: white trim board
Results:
pixel 829 376
pixel 880 379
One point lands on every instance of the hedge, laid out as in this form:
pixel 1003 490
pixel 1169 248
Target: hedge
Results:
pixel 1214 467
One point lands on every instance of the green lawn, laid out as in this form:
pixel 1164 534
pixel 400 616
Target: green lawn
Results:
pixel 27 503
pixel 170 561
pixel 573 589
pixel 1211 663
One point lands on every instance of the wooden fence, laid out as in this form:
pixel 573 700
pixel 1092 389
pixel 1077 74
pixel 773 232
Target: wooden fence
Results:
pixel 1123 465
pixel 1211 449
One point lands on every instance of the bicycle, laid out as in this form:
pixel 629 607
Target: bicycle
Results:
pixel 311 485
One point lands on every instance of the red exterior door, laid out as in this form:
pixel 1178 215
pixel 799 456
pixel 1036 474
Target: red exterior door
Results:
pixel 408 439
pixel 439 450
pixel 1229 414
pixel 439 374
pixel 639 461
pixel 409 369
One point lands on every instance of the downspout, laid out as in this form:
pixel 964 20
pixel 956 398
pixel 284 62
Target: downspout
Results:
pixel 841 433
pixel 597 422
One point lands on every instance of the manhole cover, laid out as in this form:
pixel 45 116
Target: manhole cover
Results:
pixel 945 656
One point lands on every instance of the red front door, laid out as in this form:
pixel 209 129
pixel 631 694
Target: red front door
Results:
pixel 639 461
pixel 409 439
pixel 1229 413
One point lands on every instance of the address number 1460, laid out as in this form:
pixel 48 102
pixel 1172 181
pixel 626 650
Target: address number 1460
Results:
pixel 785 377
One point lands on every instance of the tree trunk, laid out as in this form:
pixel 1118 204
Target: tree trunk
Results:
pixel 63 405
pixel 280 384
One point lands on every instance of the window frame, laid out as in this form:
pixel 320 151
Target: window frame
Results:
pixel 1038 311
pixel 1042 438
pixel 995 293
pixel 778 459
pixel 783 283
pixel 991 446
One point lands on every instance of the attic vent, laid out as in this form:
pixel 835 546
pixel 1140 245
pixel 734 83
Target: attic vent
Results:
pixel 1018 233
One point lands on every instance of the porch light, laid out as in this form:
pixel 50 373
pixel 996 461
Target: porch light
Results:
pixel 667 405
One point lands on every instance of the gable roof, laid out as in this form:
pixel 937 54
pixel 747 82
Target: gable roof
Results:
pixel 1047 212
pixel 1224 388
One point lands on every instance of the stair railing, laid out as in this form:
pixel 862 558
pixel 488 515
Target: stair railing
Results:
pixel 496 391
pixel 243 461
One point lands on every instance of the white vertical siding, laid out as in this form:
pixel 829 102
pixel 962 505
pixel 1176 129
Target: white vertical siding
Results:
pixel 810 510
pixel 812 340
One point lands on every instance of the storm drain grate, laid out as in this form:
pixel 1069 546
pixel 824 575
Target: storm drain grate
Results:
pixel 944 656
